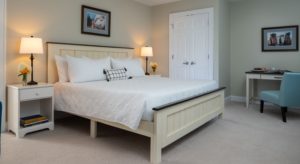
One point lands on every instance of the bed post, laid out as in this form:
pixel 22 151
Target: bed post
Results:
pixel 93 129
pixel 155 145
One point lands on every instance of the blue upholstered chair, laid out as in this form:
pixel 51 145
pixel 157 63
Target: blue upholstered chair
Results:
pixel 0 116
pixel 0 124
pixel 288 95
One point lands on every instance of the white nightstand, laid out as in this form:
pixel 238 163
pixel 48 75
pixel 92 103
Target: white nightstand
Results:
pixel 26 101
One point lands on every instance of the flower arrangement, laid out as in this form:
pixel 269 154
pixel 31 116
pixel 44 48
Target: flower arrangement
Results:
pixel 154 66
pixel 23 71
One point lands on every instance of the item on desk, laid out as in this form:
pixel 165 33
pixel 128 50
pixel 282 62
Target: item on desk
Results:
pixel 259 69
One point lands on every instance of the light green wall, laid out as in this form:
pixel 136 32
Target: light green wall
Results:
pixel 237 37
pixel 60 21
pixel 224 45
pixel 160 34
pixel 247 19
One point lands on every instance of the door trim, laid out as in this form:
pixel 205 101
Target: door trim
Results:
pixel 3 63
pixel 212 57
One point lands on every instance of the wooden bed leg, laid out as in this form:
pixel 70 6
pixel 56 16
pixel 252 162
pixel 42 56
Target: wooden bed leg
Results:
pixel 156 139
pixel 93 129
pixel 155 151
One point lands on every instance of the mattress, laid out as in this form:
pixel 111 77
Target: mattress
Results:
pixel 125 101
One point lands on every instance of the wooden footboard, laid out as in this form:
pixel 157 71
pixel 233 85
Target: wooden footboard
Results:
pixel 171 122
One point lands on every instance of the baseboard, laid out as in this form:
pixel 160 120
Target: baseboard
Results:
pixel 227 99
pixel 243 100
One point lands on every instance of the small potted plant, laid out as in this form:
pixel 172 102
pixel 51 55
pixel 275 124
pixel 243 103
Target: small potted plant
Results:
pixel 23 72
pixel 154 66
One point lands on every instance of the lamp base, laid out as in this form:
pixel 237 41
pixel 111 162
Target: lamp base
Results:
pixel 32 83
pixel 147 73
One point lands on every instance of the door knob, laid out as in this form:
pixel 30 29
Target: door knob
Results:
pixel 186 63
pixel 193 63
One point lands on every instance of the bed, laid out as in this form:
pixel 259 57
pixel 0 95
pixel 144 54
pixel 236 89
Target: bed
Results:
pixel 168 115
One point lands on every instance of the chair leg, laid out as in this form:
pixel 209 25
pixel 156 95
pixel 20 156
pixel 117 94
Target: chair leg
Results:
pixel 261 106
pixel 283 113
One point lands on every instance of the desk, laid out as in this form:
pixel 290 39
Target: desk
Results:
pixel 250 76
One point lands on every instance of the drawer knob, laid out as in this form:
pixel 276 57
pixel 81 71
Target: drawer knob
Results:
pixel 36 94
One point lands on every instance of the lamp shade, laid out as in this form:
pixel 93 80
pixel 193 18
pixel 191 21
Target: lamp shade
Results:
pixel 30 45
pixel 147 51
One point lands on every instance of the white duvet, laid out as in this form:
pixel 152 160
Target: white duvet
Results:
pixel 125 101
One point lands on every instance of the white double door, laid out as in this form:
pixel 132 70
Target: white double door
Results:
pixel 191 45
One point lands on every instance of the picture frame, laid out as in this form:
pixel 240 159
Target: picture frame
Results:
pixel 95 21
pixel 283 38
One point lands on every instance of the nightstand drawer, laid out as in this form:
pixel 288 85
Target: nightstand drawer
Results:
pixel 35 93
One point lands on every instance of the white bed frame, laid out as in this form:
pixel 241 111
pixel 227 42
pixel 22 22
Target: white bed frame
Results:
pixel 171 121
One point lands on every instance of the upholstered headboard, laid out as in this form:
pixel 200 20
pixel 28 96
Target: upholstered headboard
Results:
pixel 79 50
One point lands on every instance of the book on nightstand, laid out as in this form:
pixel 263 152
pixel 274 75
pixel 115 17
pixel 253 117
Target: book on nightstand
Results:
pixel 33 120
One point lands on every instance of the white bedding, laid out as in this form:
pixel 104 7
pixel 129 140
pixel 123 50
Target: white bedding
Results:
pixel 125 101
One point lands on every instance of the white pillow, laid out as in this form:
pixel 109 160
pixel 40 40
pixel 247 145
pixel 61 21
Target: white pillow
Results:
pixel 133 66
pixel 83 69
pixel 62 68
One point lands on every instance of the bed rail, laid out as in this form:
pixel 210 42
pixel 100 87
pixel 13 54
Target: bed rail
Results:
pixel 186 99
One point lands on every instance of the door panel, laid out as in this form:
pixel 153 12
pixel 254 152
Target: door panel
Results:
pixel 200 67
pixel 180 48
pixel 190 41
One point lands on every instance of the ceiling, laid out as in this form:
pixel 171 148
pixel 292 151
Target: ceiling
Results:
pixel 155 2
pixel 160 2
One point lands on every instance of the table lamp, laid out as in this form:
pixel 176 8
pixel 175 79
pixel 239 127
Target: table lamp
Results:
pixel 147 52
pixel 31 45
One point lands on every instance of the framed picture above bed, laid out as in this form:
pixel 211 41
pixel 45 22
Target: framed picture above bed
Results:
pixel 95 21
pixel 283 38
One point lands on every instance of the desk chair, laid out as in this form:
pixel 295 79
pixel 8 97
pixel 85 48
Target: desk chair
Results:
pixel 287 96
pixel 0 124
pixel 0 116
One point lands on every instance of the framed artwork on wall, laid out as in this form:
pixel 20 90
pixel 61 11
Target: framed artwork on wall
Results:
pixel 95 21
pixel 284 38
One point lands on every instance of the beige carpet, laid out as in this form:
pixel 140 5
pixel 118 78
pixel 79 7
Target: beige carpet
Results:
pixel 242 136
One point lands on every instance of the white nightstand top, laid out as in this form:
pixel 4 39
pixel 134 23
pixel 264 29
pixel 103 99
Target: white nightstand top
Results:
pixel 155 75
pixel 39 85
